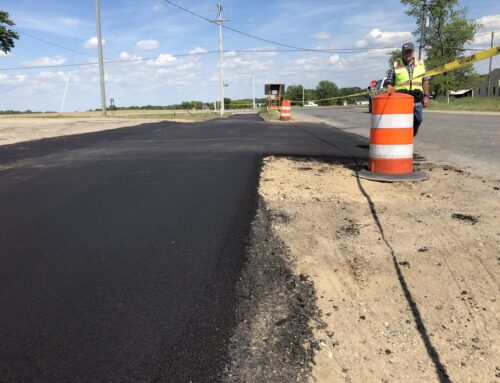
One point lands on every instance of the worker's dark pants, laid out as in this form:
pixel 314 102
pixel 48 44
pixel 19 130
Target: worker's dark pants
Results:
pixel 417 117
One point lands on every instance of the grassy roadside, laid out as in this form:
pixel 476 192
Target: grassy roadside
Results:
pixel 273 115
pixel 478 104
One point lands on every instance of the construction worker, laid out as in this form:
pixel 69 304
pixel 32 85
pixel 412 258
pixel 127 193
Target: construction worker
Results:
pixel 406 77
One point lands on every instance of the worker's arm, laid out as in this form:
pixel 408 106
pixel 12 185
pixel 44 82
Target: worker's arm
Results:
pixel 425 87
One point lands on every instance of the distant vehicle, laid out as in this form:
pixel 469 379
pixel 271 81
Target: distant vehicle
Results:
pixel 378 88
pixel 373 84
pixel 310 103
pixel 362 102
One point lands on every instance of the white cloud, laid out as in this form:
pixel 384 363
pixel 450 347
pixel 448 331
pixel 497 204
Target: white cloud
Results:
pixel 321 36
pixel 230 54
pixel 238 62
pixel 60 75
pixel 45 61
pixel 147 45
pixel 163 59
pixel 197 50
pixel 377 38
pixel 3 54
pixel 92 43
pixel 483 38
pixel 159 8
pixel 18 79
pixel 337 62
pixel 258 52
pixel 186 66
pixel 491 22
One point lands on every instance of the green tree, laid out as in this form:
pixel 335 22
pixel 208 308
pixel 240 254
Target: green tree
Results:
pixel 348 92
pixel 7 35
pixel 444 41
pixel 326 89
pixel 394 56
pixel 294 92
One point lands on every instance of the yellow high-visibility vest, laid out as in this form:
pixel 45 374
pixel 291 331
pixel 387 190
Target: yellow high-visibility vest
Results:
pixel 403 80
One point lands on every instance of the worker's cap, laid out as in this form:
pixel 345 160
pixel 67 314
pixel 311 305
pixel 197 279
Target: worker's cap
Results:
pixel 408 47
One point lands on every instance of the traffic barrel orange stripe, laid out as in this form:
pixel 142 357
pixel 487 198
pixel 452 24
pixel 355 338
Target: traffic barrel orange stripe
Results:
pixel 391 136
pixel 397 103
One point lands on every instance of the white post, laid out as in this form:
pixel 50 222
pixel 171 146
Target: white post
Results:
pixel 65 92
pixel 253 88
pixel 303 98
pixel 101 64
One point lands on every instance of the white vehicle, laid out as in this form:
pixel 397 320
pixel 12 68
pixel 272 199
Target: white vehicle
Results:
pixel 379 88
pixel 362 102
pixel 310 103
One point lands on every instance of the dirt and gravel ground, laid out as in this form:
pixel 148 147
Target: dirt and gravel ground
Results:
pixel 406 274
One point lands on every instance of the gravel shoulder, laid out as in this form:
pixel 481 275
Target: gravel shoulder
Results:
pixel 407 275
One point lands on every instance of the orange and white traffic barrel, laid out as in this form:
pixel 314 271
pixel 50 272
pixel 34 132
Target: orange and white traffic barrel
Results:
pixel 391 139
pixel 286 110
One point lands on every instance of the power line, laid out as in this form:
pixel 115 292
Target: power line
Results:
pixel 107 62
pixel 250 51
pixel 54 44
pixel 486 33
pixel 263 39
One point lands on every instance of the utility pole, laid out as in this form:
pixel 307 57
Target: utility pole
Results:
pixel 219 21
pixel 303 98
pixel 489 73
pixel 253 88
pixel 422 28
pixel 101 64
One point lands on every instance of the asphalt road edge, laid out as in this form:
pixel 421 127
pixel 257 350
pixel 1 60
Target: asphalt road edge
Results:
pixel 274 340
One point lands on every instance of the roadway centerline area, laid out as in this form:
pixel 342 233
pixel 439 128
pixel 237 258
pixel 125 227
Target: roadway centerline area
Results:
pixel 464 140
pixel 121 249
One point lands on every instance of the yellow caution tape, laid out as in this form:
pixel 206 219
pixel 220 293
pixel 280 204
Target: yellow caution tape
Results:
pixel 464 61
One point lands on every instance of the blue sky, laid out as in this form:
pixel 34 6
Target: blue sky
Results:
pixel 154 29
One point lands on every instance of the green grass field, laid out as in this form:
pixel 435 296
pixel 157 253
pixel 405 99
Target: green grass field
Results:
pixel 477 104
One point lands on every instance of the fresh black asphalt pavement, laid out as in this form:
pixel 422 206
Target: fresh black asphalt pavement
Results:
pixel 120 250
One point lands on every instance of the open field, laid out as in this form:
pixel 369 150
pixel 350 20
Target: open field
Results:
pixel 477 104
pixel 137 113
pixel 34 126
pixel 406 274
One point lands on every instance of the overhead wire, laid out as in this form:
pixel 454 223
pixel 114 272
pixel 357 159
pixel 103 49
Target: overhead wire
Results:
pixel 267 40
pixel 55 44
pixel 139 59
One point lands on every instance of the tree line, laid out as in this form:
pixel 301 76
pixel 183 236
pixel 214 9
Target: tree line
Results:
pixel 324 90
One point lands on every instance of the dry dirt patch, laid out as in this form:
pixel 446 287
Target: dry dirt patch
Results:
pixel 15 129
pixel 406 273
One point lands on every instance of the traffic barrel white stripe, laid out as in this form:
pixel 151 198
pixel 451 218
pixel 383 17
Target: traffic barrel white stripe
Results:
pixel 391 151
pixel 392 121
